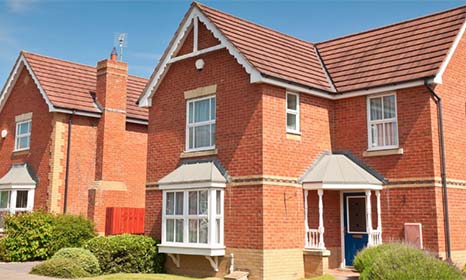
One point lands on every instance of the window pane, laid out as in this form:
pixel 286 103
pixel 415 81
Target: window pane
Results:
pixel 203 230
pixel 169 230
pixel 213 108
pixel 389 107
pixel 193 231
pixel 24 128
pixel 218 230
pixel 179 203
pixel 191 137
pixel 376 108
pixel 212 135
pixel 191 112
pixel 291 121
pixel 170 203
pixel 218 203
pixel 292 102
pixel 203 202
pixel 179 230
pixel 390 134
pixel 202 136
pixel 201 110
pixel 192 203
pixel 21 199
pixel 4 198
pixel 22 142
pixel 377 135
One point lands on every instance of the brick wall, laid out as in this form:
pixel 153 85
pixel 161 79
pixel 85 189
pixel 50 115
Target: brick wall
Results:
pixel 24 98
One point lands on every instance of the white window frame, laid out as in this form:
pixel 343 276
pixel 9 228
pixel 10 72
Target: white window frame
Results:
pixel 18 135
pixel 194 124
pixel 293 112
pixel 13 194
pixel 371 122
pixel 211 248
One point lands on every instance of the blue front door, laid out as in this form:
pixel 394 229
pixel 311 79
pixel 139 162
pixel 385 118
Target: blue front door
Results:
pixel 354 205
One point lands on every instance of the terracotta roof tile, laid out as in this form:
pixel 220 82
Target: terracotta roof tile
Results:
pixel 271 52
pixel 68 85
pixel 404 51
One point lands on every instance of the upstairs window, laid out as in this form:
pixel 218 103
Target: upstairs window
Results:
pixel 200 130
pixel 382 122
pixel 292 112
pixel 23 135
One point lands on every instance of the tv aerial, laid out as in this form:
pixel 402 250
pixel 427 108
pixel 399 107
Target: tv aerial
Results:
pixel 121 41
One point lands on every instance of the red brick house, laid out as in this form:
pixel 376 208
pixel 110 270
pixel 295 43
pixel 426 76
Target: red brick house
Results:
pixel 73 139
pixel 283 158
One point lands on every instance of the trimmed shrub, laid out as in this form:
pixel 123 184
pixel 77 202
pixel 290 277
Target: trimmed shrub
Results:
pixel 71 231
pixel 3 254
pixel 126 253
pixel 38 235
pixel 61 268
pixel 82 257
pixel 401 262
pixel 366 257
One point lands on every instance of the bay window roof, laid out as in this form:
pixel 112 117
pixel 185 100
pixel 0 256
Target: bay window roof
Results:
pixel 19 175
pixel 192 175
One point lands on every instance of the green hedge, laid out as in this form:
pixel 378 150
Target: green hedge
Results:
pixel 61 268
pixel 401 262
pixel 38 235
pixel 126 253
pixel 82 257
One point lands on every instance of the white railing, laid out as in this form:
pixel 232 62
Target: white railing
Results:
pixel 313 239
pixel 375 237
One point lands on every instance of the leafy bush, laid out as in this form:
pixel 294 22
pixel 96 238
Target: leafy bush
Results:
pixel 71 231
pixel 366 257
pixel 3 254
pixel 401 262
pixel 38 235
pixel 126 253
pixel 61 268
pixel 82 257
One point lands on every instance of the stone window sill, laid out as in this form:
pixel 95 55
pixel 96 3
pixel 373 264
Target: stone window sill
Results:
pixel 293 136
pixel 198 153
pixel 20 152
pixel 377 153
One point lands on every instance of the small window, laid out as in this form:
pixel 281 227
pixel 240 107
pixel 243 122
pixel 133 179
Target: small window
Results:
pixel 23 135
pixel 382 122
pixel 292 112
pixel 200 130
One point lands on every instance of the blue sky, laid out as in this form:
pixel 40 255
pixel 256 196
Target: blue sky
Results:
pixel 84 31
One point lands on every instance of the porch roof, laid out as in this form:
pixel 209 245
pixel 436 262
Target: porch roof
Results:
pixel 339 172
pixel 19 175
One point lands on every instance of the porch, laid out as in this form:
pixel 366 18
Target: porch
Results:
pixel 342 212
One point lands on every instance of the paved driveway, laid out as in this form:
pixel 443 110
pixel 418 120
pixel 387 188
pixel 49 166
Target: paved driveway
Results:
pixel 19 271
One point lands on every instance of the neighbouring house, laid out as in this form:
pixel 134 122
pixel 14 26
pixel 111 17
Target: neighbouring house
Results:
pixel 285 157
pixel 73 139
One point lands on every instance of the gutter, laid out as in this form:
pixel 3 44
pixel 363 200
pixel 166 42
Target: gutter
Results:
pixel 443 172
pixel 68 152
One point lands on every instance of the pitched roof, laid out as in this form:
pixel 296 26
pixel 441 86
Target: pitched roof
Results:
pixel 68 85
pixel 191 173
pixel 404 51
pixel 270 52
pixel 409 51
pixel 18 175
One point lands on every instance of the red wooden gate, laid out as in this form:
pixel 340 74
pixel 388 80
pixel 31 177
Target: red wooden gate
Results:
pixel 120 220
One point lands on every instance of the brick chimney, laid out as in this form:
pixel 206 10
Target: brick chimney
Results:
pixel 112 76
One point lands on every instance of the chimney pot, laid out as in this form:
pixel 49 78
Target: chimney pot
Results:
pixel 114 55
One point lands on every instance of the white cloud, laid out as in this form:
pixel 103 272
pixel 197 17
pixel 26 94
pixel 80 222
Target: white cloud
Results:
pixel 20 6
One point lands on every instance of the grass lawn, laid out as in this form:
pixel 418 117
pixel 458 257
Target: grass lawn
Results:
pixel 136 276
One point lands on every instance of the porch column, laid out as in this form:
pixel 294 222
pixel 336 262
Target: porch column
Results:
pixel 320 193
pixel 369 217
pixel 379 212
pixel 306 222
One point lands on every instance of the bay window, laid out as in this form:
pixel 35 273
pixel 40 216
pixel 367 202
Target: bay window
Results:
pixel 193 218
pixel 200 128
pixel 382 122
pixel 13 201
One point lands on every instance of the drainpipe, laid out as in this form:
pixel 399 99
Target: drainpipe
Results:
pixel 68 151
pixel 443 172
